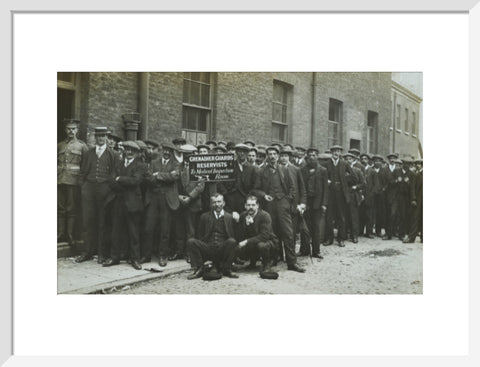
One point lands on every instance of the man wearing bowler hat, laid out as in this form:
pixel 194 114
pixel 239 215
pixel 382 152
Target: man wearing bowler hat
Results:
pixel 128 206
pixel 161 200
pixel 339 173
pixel 98 172
pixel 69 157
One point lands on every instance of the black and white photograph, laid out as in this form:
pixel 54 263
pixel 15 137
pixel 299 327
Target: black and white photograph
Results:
pixel 239 183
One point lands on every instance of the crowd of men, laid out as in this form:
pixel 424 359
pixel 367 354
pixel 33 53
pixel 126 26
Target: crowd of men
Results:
pixel 135 199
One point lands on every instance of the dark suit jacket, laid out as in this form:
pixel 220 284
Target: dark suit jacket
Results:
pixel 357 180
pixel 128 185
pixel 263 182
pixel 345 176
pixel 298 182
pixel 165 182
pixel 320 177
pixel 244 180
pixel 262 227
pixel 390 183
pixel 205 225
pixel 192 189
pixel 369 185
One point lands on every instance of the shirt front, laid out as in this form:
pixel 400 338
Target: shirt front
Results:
pixel 219 215
pixel 128 161
pixel 335 162
pixel 100 149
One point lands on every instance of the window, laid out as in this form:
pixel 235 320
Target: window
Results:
pixel 196 107
pixel 398 117
pixel 406 121
pixel 372 123
pixel 414 123
pixel 281 111
pixel 335 116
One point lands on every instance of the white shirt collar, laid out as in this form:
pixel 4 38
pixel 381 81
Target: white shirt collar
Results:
pixel 217 216
pixel 99 149
pixel 335 162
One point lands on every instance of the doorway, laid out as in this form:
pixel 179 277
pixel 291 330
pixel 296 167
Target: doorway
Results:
pixel 65 110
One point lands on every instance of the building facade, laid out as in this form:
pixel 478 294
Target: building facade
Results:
pixel 355 110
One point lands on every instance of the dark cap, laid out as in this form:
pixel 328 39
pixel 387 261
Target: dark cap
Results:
pixel 255 149
pixel 365 155
pixel 152 143
pixel 377 156
pixel 131 144
pixel 249 142
pixel 221 142
pixel 273 147
pixel 230 145
pixel 211 142
pixel 301 149
pixel 394 155
pixel 203 146
pixel 313 149
pixel 287 149
pixel 114 137
pixel 220 148
pixel 349 155
pixel 335 147
pixel 355 152
pixel 101 130
pixel 71 122
pixel 179 140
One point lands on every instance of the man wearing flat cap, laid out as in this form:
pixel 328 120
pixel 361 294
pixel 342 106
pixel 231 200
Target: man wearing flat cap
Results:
pixel 339 173
pixel 161 200
pixel 69 157
pixel 98 172
pixel 274 185
pixel 390 177
pixel 235 192
pixel 356 184
pixel 127 206
pixel 178 142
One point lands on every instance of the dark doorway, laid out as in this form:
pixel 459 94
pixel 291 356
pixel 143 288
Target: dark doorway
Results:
pixel 65 104
pixel 354 144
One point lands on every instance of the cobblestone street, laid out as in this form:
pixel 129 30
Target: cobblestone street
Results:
pixel 371 266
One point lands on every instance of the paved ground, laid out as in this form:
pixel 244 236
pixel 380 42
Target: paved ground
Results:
pixel 371 266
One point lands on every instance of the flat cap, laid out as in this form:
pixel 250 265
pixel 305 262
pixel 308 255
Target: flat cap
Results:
pixel 241 146
pixel 230 145
pixel 221 142
pixel 336 147
pixel 131 144
pixel 325 156
pixel 354 151
pixel 141 144
pixel 179 140
pixel 301 149
pixel 169 146
pixel 313 149
pixel 152 143
pixel 349 155
pixel 188 148
pixel 199 146
pixel 273 147
pixel 377 156
pixel 249 142
pixel 211 142
pixel 365 155
pixel 287 149
pixel 395 155
pixel 220 148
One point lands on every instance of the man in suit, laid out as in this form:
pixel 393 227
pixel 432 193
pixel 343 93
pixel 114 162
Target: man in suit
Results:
pixel 69 158
pixel 316 184
pixel 161 200
pixel 367 206
pixel 299 199
pixel 378 195
pixel 235 192
pixel 356 186
pixel 416 202
pixel 255 235
pixel 215 241
pixel 98 172
pixel 339 173
pixel 127 207
pixel 275 186
pixel 390 178
pixel 190 195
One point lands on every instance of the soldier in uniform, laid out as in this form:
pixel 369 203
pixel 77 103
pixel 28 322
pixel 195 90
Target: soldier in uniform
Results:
pixel 98 171
pixel 69 155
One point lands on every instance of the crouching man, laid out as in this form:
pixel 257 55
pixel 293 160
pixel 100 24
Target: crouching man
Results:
pixel 214 241
pixel 255 235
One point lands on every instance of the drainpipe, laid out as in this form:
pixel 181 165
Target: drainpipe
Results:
pixel 394 112
pixel 143 98
pixel 312 132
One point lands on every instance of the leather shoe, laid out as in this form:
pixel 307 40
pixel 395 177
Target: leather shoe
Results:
pixel 229 274
pixel 386 237
pixel 318 256
pixel 369 236
pixel 100 260
pixel 196 274
pixel 328 243
pixel 407 240
pixel 341 244
pixel 144 260
pixel 82 258
pixel 110 262
pixel 296 267
pixel 162 261
pixel 136 265
pixel 174 257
